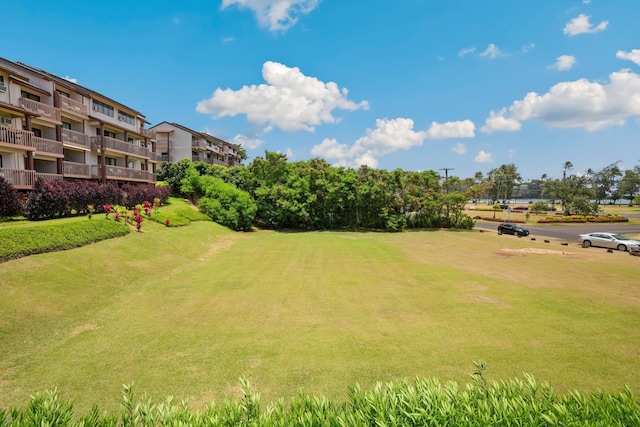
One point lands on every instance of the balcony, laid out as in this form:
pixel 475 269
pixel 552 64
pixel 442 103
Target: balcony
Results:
pixel 44 111
pixel 198 144
pixel 154 157
pixel 77 139
pixel 23 179
pixel 76 170
pixel 151 134
pixel 123 174
pixel 73 106
pixel 49 146
pixel 165 158
pixel 17 138
pixel 118 145
pixel 198 158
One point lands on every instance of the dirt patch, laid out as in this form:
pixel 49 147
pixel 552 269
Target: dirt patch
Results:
pixel 525 251
pixel 483 299
pixel 83 328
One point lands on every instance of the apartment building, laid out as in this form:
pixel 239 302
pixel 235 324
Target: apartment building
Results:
pixel 53 128
pixel 176 142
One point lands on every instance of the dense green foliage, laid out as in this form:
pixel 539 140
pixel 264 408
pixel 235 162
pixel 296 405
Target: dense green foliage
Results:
pixel 313 195
pixel 222 202
pixel 22 241
pixel 9 199
pixel 421 402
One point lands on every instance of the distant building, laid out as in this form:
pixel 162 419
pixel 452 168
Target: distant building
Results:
pixel 53 128
pixel 176 142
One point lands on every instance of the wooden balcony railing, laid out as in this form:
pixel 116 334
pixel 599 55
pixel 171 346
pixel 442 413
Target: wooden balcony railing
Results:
pixel 151 134
pixel 213 148
pixel 155 157
pixel 118 145
pixel 73 106
pixel 45 145
pixel 16 137
pixel 75 138
pixel 165 158
pixel 76 169
pixel 23 179
pixel 42 110
pixel 198 144
pixel 120 173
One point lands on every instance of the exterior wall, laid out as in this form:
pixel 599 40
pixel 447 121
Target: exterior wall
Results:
pixel 179 142
pixel 64 138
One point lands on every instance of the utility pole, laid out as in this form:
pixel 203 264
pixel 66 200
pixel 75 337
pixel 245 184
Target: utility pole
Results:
pixel 446 176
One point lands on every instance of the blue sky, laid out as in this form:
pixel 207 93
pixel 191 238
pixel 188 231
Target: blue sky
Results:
pixel 411 84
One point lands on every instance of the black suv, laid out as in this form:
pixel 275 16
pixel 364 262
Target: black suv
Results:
pixel 511 228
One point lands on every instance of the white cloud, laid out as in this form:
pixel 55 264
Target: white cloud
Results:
pixel 227 40
pixel 483 157
pixel 250 143
pixel 388 136
pixel 581 25
pixel 586 1
pixel 459 129
pixel 331 149
pixel 498 122
pixel 512 153
pixel 276 15
pixel 526 48
pixel 563 63
pixel 70 79
pixel 492 52
pixel 466 51
pixel 583 104
pixel 634 55
pixel 459 148
pixel 289 100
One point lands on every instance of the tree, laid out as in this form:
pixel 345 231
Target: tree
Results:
pixel 504 180
pixel 606 182
pixel 630 184
pixel 573 192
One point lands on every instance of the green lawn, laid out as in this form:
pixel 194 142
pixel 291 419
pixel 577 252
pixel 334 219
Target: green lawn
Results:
pixel 186 311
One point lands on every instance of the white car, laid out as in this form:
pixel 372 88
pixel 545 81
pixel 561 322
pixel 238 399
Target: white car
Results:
pixel 609 240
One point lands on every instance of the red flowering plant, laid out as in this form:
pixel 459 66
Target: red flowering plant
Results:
pixel 167 223
pixel 138 219
pixel 107 210
pixel 147 208
pixel 116 216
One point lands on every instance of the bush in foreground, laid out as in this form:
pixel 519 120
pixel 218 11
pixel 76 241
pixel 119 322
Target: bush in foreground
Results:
pixel 9 199
pixel 421 402
pixel 22 241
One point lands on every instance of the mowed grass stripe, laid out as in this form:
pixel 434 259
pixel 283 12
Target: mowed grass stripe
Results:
pixel 187 311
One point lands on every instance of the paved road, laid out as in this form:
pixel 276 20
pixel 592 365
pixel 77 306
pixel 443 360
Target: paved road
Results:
pixel 568 232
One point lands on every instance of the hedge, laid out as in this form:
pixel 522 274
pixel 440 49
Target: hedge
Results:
pixel 22 241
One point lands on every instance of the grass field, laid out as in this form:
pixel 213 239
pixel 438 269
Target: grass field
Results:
pixel 186 311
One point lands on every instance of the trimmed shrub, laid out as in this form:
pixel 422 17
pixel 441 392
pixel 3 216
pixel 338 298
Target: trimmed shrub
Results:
pixel 48 199
pixel 137 194
pixel 22 241
pixel 9 199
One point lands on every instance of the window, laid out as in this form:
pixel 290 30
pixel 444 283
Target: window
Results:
pixel 106 133
pixel 3 88
pixel 128 118
pixel 109 161
pixel 0 160
pixel 65 94
pixel 131 165
pixel 36 132
pixel 29 96
pixel 66 125
pixel 103 108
